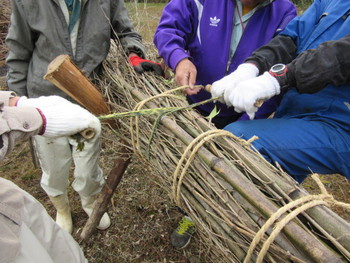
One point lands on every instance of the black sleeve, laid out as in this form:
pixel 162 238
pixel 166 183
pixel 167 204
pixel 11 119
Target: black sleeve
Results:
pixel 281 49
pixel 313 69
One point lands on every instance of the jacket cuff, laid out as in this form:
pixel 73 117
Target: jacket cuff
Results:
pixel 5 97
pixel 261 70
pixel 288 80
pixel 176 56
pixel 43 127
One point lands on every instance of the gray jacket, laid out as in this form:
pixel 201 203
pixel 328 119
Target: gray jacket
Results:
pixel 39 33
pixel 16 123
pixel 28 234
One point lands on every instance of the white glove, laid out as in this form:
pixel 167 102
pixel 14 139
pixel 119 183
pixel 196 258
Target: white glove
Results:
pixel 244 97
pixel 61 117
pixel 225 85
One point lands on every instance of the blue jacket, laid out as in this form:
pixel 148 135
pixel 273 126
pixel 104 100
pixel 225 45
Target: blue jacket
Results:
pixel 201 30
pixel 325 20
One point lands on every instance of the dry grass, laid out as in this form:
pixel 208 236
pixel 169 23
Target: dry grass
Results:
pixel 142 216
pixel 4 21
pixel 142 213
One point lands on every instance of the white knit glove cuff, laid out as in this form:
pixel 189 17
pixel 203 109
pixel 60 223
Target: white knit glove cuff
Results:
pixel 247 71
pixel 61 117
pixel 270 89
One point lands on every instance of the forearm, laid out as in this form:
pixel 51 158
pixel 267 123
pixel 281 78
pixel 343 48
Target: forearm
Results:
pixel 313 69
pixel 130 40
pixel 281 49
pixel 17 124
pixel 175 31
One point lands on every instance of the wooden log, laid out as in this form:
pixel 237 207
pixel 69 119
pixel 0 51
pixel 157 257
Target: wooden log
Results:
pixel 63 73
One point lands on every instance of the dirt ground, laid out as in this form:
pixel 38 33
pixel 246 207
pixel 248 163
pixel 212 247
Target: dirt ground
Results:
pixel 142 214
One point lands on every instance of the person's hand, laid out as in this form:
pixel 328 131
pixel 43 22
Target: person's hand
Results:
pixel 61 117
pixel 247 93
pixel 223 87
pixel 140 65
pixel 186 74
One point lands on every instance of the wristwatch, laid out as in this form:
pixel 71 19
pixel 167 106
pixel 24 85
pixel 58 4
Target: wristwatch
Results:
pixel 279 71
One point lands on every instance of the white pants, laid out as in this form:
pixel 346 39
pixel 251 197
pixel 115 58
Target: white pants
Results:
pixel 56 155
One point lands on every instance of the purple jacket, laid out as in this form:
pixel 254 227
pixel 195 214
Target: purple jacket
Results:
pixel 201 30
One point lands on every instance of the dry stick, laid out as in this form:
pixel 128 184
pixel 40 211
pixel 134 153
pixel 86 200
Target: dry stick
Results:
pixel 198 142
pixel 283 223
pixel 273 218
pixel 206 211
pixel 319 216
pixel 68 77
pixel 307 243
pixel 238 252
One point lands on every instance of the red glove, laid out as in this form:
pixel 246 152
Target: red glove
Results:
pixel 140 65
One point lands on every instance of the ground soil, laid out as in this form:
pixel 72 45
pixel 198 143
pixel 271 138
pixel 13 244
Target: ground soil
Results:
pixel 142 214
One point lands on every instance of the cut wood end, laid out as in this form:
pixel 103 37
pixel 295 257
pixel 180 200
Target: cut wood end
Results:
pixel 55 65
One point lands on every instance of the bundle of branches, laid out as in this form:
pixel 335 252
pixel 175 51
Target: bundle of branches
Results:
pixel 4 22
pixel 245 209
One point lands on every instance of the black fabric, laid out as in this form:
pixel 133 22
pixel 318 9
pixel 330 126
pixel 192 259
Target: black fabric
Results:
pixel 149 66
pixel 281 49
pixel 314 69
pixel 311 70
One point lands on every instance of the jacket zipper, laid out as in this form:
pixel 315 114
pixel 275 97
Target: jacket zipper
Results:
pixel 231 59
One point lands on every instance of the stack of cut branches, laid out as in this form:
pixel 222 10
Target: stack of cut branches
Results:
pixel 245 209
pixel 4 23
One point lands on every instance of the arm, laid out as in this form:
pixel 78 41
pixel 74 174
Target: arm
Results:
pixel 284 47
pixel 281 49
pixel 20 41
pixel 177 25
pixel 16 123
pixel 176 31
pixel 130 40
pixel 309 72
pixel 50 116
pixel 314 69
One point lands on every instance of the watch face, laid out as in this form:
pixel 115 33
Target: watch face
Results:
pixel 278 69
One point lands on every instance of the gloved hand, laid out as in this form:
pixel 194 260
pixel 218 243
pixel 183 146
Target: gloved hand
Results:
pixel 61 117
pixel 140 65
pixel 247 93
pixel 223 87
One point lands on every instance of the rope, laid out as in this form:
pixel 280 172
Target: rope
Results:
pixel 135 121
pixel 135 138
pixel 134 132
pixel 305 203
pixel 199 141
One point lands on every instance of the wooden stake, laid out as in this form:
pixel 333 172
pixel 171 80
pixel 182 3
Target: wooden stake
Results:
pixel 63 73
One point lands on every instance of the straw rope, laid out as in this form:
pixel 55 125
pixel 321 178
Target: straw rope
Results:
pixel 305 203
pixel 134 122
pixel 200 140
